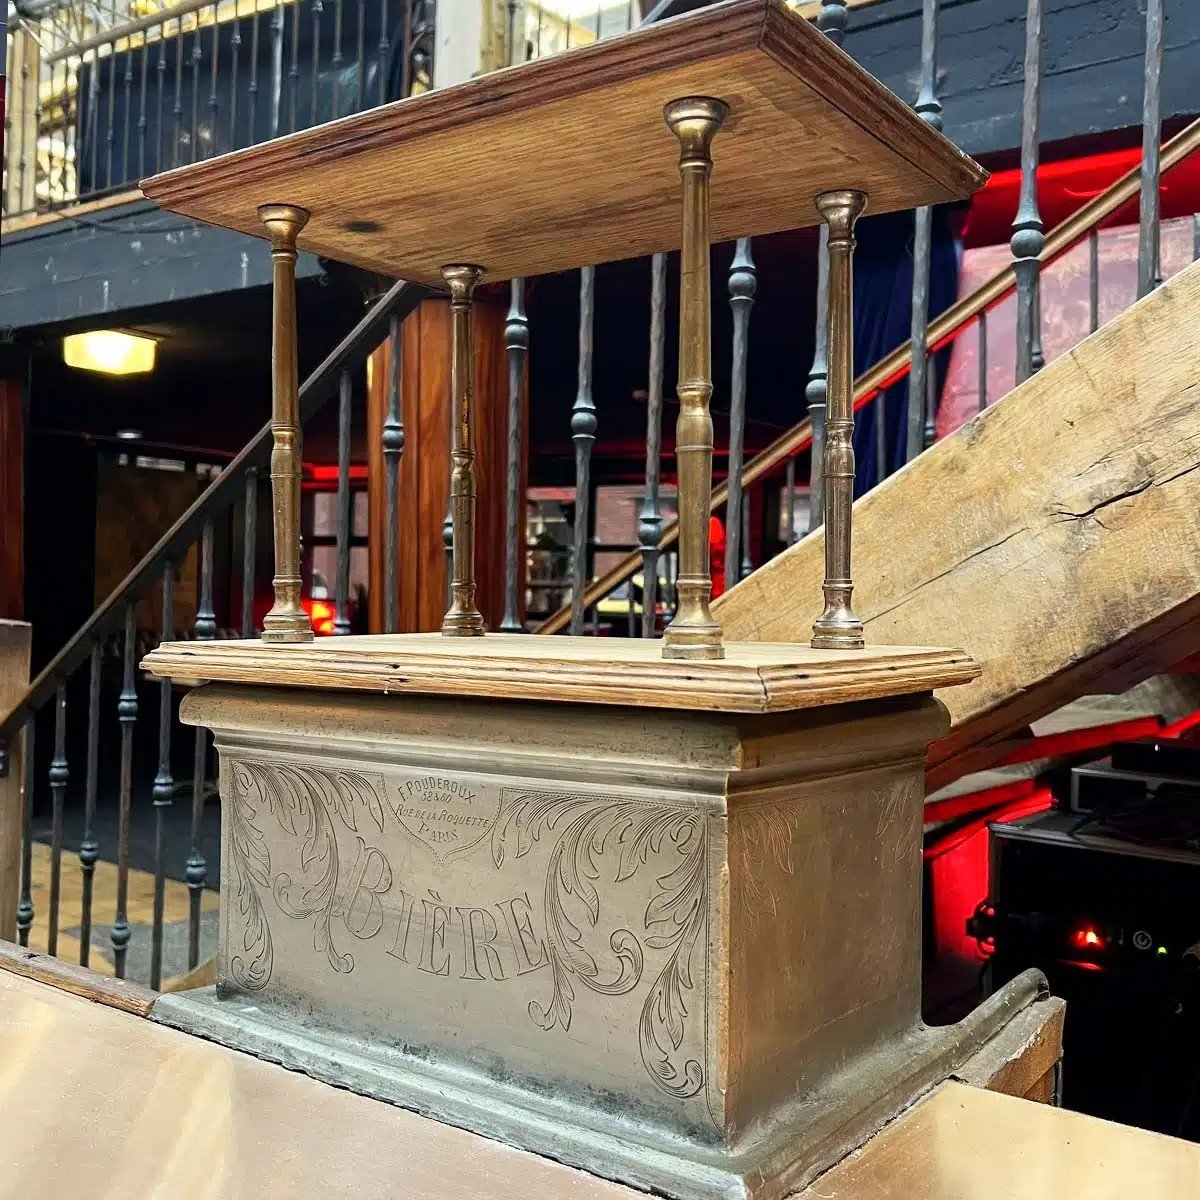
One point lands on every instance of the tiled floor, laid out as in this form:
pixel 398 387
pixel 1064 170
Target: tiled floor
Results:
pixel 140 914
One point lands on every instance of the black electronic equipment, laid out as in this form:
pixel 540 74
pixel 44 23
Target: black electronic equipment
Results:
pixel 1107 904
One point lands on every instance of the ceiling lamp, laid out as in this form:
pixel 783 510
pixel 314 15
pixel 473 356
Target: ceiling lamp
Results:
pixel 110 351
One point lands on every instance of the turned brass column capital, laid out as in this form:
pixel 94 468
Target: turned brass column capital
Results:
pixel 287 621
pixel 462 619
pixel 837 628
pixel 694 632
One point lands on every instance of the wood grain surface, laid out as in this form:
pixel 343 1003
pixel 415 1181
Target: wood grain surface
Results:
pixel 753 677
pixel 567 161
pixel 79 981
pixel 1054 536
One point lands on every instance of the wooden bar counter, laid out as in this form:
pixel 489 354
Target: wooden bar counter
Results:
pixel 649 908
pixel 660 920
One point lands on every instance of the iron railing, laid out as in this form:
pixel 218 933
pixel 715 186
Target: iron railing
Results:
pixel 103 96
pixel 1032 250
pixel 237 483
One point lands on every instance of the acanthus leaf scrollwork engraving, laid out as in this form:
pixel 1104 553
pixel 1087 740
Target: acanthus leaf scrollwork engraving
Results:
pixel 303 801
pixel 674 919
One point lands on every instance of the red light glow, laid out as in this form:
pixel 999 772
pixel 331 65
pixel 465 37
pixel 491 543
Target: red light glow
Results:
pixel 1088 938
pixel 320 613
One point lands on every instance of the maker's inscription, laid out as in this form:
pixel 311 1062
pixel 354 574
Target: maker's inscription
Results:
pixel 448 816
pixel 592 842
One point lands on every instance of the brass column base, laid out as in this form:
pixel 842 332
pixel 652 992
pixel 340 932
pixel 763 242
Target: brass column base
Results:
pixel 694 633
pixel 287 627
pixel 463 624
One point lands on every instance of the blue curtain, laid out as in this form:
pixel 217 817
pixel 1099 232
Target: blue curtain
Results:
pixel 883 279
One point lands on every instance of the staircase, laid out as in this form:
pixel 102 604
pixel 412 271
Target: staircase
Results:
pixel 1054 536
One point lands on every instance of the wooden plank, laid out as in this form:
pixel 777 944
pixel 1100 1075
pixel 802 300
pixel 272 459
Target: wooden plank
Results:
pixel 14 679
pixel 67 211
pixel 751 678
pixel 964 1143
pixel 1055 536
pixel 79 981
pixel 576 146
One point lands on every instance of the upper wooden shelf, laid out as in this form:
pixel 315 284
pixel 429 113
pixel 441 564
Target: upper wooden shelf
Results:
pixel 752 677
pixel 567 161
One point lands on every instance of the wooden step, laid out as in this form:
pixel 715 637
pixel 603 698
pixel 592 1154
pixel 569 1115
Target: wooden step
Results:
pixel 1054 537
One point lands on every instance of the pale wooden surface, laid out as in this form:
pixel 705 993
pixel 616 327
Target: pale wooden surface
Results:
pixel 753 677
pixel 576 147
pixel 98 1102
pixel 967 1144
pixel 14 678
pixel 1055 536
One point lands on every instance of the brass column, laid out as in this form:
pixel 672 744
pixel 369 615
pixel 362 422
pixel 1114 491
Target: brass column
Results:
pixel 837 628
pixel 287 621
pixel 463 619
pixel 694 632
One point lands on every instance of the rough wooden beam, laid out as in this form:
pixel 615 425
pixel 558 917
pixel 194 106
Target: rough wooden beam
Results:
pixel 1054 537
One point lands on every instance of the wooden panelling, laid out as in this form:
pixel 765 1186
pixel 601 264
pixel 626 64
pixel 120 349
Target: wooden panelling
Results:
pixel 425 465
pixel 12 498
pixel 14 679
pixel 567 161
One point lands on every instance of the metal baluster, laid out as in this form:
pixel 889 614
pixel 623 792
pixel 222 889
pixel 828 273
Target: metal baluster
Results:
pixel 93 121
pixel 110 134
pixel 294 71
pixel 817 389
pixel 252 88
pixel 516 347
pixel 383 48
pixel 1093 281
pixel 196 57
pixel 249 551
pixel 164 784
pixel 393 452
pixel 10 62
pixel 448 548
pixel 881 440
pixel 178 106
pixel 337 61
pixel 196 869
pixel 929 431
pixel 746 565
pixel 650 518
pixel 831 20
pixel 127 712
pixel 142 123
pixel 929 108
pixel 277 16
pixel 160 74
pixel 25 902
pixel 317 10
pixel 89 848
pixel 235 42
pixel 361 60
pixel 59 776
pixel 341 620
pixel 983 361
pixel 789 485
pixel 583 434
pixel 1027 240
pixel 1149 233
pixel 128 112
pixel 212 85
pixel 743 283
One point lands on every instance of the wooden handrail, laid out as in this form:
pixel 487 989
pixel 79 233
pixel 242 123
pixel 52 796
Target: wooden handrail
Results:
pixel 895 366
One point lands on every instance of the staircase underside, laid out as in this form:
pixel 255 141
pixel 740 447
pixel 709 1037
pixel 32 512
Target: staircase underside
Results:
pixel 1056 537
